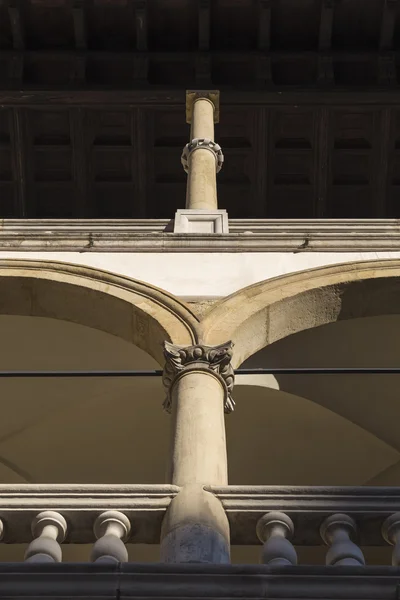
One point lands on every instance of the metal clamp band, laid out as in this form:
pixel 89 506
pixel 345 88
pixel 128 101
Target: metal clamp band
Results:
pixel 202 144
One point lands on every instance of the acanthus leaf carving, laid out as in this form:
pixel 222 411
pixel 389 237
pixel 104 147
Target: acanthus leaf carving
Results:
pixel 215 358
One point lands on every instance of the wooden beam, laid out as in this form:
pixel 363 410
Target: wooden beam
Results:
pixel 322 151
pixel 387 24
pixel 16 68
pixel 203 69
pixel 141 25
pixel 384 143
pixel 387 72
pixel 141 69
pixel 263 67
pixel 17 27
pixel 78 68
pixel 260 160
pixel 167 97
pixel 325 70
pixel 346 56
pixel 19 150
pixel 204 25
pixel 79 17
pixel 80 161
pixel 326 24
pixel 264 25
pixel 140 171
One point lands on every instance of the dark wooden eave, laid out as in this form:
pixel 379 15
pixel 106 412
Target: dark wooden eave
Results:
pixel 92 106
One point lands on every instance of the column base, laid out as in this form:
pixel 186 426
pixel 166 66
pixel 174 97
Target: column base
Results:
pixel 201 221
pixel 194 543
pixel 195 529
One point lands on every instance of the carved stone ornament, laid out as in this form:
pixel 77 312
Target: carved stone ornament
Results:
pixel 202 144
pixel 215 358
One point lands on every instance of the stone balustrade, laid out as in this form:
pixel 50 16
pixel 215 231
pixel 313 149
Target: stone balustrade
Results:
pixel 48 529
pixel 282 518
pixel 273 530
pixel 366 516
pixel 111 529
pixel 82 507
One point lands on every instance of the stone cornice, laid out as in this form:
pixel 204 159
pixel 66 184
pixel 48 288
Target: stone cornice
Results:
pixel 133 580
pixel 155 235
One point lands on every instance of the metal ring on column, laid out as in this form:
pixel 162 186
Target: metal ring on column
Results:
pixel 202 144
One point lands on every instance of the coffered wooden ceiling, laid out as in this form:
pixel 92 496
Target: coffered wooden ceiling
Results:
pixel 92 93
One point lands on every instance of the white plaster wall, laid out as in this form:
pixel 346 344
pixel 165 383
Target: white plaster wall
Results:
pixel 203 275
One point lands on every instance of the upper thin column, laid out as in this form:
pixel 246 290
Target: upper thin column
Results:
pixel 202 158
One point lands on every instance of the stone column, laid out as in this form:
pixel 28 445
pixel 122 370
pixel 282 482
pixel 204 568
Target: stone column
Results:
pixel 202 159
pixel 199 381
pixel 202 156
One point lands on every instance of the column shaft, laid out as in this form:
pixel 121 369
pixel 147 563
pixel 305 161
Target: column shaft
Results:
pixel 198 453
pixel 199 380
pixel 203 119
pixel 201 190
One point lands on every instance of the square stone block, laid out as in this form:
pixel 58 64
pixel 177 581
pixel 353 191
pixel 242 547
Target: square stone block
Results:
pixel 201 221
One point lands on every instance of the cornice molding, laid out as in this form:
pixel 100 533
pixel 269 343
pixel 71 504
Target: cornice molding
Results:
pixel 155 235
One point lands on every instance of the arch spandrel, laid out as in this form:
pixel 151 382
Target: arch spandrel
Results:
pixel 135 311
pixel 261 314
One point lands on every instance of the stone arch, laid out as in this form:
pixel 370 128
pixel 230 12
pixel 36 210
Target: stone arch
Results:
pixel 261 314
pixel 132 310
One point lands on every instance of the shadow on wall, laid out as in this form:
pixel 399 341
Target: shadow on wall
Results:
pixel 323 429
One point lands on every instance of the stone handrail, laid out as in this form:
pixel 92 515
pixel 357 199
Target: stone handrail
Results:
pixel 80 505
pixel 308 508
pixel 280 517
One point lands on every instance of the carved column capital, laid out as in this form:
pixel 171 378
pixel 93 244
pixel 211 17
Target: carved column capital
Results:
pixel 193 95
pixel 217 359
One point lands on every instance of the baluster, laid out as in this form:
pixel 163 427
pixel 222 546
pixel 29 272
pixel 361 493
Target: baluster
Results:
pixel 391 533
pixel 49 529
pixel 335 532
pixel 273 530
pixel 111 530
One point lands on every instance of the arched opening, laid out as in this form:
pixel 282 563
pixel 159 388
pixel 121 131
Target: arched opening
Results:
pixel 132 310
pixel 77 430
pixel 315 430
pixel 319 429
pixel 83 430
